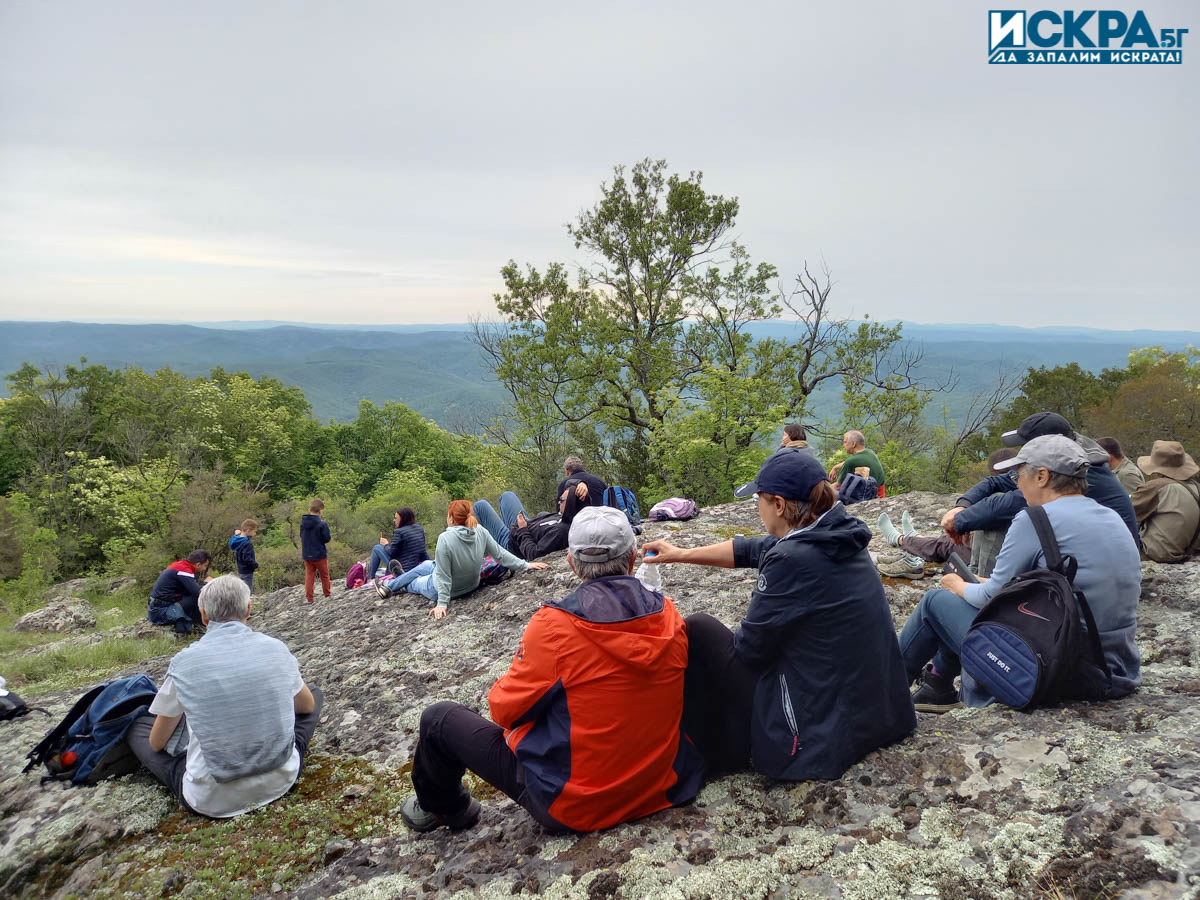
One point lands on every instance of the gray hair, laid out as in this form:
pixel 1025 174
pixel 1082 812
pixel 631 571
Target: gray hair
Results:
pixel 590 571
pixel 857 438
pixel 225 599
pixel 572 464
pixel 1059 483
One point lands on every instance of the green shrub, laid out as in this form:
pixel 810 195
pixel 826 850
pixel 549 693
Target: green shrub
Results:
pixel 280 567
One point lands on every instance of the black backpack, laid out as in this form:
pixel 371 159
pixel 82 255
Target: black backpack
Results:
pixel 1027 646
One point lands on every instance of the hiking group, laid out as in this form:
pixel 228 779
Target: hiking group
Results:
pixel 615 706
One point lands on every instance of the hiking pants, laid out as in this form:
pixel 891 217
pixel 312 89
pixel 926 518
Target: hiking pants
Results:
pixel 311 568
pixel 454 739
pixel 935 631
pixel 931 549
pixel 985 548
pixel 170 769
pixel 718 696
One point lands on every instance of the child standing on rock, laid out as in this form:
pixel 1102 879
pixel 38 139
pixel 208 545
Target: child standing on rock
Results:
pixel 242 545
pixel 314 535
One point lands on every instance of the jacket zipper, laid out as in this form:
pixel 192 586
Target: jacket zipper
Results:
pixel 789 713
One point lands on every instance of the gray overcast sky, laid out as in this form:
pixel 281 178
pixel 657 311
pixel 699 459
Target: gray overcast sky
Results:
pixel 378 162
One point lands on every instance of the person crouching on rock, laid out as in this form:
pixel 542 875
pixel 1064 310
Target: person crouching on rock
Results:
pixel 587 718
pixel 455 569
pixel 174 598
pixel 249 715
pixel 812 680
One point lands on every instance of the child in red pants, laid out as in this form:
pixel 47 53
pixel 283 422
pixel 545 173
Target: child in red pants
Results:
pixel 314 535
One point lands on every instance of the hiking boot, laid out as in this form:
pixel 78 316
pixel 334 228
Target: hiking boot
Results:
pixel 905 567
pixel 888 530
pixel 380 588
pixel 935 693
pixel 420 820
pixel 395 568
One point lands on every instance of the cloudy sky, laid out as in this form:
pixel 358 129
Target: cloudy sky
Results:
pixel 378 162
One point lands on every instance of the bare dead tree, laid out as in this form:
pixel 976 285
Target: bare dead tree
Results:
pixel 982 407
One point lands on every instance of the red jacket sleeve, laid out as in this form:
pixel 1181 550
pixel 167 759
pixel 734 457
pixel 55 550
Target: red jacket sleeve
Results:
pixel 533 672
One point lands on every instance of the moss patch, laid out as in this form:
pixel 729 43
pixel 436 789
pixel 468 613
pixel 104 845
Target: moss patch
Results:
pixel 281 843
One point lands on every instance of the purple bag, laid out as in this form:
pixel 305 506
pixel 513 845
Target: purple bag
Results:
pixel 356 577
pixel 673 508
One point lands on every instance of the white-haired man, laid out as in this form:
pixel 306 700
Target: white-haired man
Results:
pixel 249 715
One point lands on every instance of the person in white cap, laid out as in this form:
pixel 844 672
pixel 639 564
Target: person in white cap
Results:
pixel 1052 473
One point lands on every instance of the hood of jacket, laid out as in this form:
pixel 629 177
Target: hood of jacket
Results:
pixel 837 534
pixel 309 520
pixel 237 541
pixel 622 618
pixel 182 565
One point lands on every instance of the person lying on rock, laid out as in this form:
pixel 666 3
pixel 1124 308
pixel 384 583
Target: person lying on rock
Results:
pixel 812 680
pixel 587 718
pixel 248 715
pixel 174 598
pixel 531 538
pixel 1052 472
pixel 454 571
pixel 988 508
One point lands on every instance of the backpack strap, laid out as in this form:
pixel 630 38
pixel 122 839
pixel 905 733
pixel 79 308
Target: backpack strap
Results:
pixel 1094 639
pixel 1055 561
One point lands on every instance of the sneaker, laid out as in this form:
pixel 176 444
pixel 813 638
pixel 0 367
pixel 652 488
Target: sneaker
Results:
pixel 395 568
pixel 935 693
pixel 420 820
pixel 888 558
pixel 906 525
pixel 905 567
pixel 380 588
pixel 888 530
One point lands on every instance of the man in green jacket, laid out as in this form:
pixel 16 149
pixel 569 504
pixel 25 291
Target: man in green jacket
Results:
pixel 855 443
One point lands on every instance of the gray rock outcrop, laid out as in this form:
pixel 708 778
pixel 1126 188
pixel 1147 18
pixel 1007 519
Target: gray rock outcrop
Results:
pixel 63 616
pixel 1090 800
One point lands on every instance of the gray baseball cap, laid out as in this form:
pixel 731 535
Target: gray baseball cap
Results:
pixel 1055 452
pixel 600 533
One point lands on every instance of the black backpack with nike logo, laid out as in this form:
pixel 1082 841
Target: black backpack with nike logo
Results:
pixel 1028 646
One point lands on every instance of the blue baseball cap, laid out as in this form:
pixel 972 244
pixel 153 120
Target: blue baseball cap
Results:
pixel 790 472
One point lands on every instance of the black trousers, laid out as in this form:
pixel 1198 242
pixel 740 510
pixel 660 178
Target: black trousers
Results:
pixel 453 739
pixel 718 696
pixel 191 606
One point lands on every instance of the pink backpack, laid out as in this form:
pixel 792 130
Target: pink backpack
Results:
pixel 672 508
pixel 356 577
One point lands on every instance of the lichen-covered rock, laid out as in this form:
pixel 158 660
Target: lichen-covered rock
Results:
pixel 59 616
pixel 1091 799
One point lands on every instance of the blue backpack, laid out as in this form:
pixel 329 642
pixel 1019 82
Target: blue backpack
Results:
pixel 623 499
pixel 94 730
pixel 856 489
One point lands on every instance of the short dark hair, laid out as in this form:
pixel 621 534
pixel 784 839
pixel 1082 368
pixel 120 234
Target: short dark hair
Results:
pixel 795 431
pixel 999 456
pixel 316 506
pixel 407 516
pixel 199 557
pixel 1111 446
pixel 573 464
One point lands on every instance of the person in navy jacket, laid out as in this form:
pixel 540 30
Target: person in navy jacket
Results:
pixel 812 680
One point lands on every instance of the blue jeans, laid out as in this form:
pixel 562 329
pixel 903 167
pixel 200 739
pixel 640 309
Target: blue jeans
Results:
pixel 379 557
pixel 417 580
pixel 248 578
pixel 500 525
pixel 935 631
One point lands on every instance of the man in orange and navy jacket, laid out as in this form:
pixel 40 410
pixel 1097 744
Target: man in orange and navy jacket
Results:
pixel 587 719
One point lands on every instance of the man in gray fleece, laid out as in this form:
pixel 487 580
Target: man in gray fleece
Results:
pixel 233 718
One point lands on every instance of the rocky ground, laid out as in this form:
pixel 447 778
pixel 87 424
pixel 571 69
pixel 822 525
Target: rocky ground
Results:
pixel 1095 800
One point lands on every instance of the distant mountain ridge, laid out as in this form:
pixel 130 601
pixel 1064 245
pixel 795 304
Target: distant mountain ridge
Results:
pixel 437 370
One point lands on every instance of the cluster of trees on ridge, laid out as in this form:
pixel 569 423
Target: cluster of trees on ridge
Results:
pixel 639 358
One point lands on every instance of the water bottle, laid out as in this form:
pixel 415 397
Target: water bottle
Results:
pixel 649 574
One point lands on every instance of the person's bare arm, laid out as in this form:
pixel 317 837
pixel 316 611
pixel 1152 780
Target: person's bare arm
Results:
pixel 162 729
pixel 305 701
pixel 709 555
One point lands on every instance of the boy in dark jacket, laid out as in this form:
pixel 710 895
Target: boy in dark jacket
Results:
pixel 314 535
pixel 242 545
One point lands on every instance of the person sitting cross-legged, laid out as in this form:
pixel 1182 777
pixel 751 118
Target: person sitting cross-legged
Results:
pixel 247 716
pixel 587 727
pixel 1053 474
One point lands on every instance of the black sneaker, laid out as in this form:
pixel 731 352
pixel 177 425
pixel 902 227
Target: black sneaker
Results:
pixel 419 819
pixel 395 568
pixel 935 693
pixel 381 588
